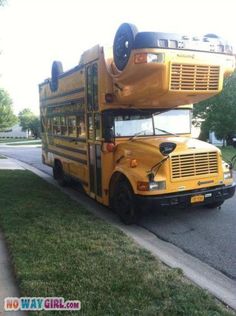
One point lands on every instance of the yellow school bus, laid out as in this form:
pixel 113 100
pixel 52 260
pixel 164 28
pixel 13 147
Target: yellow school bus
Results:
pixel 120 122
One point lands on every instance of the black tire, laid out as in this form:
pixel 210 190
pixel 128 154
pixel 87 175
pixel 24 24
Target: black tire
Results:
pixel 57 70
pixel 214 204
pixel 58 174
pixel 123 44
pixel 123 203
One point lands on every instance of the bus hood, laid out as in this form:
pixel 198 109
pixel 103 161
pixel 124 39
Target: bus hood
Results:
pixel 138 156
pixel 150 145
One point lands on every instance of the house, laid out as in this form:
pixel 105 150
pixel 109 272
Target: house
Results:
pixel 14 132
pixel 214 140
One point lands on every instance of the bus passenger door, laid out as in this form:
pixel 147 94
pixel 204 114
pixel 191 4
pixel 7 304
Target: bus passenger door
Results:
pixel 94 151
pixel 94 132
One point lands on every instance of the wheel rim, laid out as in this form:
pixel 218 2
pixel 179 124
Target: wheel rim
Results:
pixel 123 44
pixel 122 50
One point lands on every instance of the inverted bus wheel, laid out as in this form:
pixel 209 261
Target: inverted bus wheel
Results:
pixel 123 203
pixel 57 70
pixel 123 44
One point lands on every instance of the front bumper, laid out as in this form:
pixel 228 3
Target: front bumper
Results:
pixel 183 199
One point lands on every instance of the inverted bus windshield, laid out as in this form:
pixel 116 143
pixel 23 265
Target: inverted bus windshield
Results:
pixel 149 124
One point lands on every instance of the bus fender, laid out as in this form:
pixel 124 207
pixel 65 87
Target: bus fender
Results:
pixel 117 177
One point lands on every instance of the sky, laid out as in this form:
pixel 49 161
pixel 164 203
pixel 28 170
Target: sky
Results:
pixel 33 33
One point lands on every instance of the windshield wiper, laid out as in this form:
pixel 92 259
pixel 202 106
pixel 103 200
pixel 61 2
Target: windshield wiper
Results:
pixel 147 130
pixel 166 132
pixel 139 133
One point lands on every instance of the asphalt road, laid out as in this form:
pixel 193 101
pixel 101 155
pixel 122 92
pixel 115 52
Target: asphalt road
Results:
pixel 209 235
pixel 28 154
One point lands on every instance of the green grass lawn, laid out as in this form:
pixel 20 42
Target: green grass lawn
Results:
pixel 228 153
pixel 59 249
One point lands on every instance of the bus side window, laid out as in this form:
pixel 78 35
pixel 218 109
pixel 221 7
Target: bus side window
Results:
pixel 95 87
pixel 80 125
pixel 72 126
pixel 63 126
pixel 92 87
pixel 90 127
pixel 89 88
pixel 56 125
pixel 97 126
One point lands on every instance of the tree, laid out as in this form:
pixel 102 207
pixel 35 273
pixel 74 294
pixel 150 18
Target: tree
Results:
pixel 35 127
pixel 7 117
pixel 2 2
pixel 219 112
pixel 29 122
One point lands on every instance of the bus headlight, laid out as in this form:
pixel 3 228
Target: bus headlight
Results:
pixel 228 175
pixel 157 185
pixel 230 62
pixel 147 58
pixel 151 186
pixel 156 58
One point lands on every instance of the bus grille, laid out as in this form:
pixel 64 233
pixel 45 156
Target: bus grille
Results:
pixel 190 165
pixel 185 77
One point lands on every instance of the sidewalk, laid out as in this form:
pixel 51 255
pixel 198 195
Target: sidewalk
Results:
pixel 8 287
pixel 7 164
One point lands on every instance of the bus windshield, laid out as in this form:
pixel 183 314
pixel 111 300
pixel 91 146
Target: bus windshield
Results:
pixel 177 121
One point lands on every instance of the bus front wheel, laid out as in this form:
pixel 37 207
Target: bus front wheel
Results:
pixel 123 203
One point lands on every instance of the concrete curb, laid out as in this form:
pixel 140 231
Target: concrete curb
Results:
pixel 197 271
